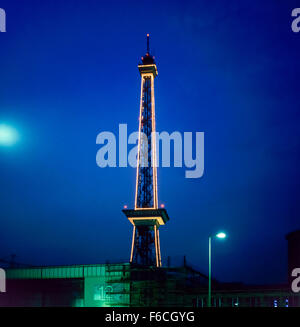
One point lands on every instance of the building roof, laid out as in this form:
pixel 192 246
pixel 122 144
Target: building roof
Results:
pixel 74 271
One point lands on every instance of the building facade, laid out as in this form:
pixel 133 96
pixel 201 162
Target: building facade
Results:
pixel 125 285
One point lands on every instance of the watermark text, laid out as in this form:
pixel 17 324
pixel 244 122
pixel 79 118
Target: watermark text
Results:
pixel 296 22
pixel 2 281
pixel 187 149
pixel 2 20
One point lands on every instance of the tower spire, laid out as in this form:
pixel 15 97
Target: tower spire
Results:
pixel 148 47
pixel 148 59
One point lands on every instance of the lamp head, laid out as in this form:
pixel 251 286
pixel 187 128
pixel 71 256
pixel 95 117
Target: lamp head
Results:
pixel 221 235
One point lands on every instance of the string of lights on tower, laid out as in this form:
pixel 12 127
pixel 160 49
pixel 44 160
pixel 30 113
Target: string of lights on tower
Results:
pixel 146 217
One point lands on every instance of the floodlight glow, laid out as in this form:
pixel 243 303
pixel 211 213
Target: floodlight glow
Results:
pixel 221 235
pixel 8 135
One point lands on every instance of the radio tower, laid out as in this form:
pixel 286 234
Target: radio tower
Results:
pixel 146 217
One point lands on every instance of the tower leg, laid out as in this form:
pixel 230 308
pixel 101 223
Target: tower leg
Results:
pixel 158 249
pixel 145 246
pixel 132 244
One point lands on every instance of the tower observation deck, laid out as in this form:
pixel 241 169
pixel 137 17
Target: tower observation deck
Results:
pixel 146 217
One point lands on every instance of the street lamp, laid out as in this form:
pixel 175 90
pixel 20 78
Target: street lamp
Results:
pixel 220 235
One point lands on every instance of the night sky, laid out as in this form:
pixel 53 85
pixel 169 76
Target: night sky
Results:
pixel 230 69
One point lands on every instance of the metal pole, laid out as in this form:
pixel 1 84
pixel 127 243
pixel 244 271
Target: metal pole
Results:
pixel 148 47
pixel 209 272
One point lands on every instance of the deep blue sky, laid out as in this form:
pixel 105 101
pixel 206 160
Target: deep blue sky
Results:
pixel 68 70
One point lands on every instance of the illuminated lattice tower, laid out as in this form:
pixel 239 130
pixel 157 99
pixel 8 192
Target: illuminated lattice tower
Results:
pixel 146 217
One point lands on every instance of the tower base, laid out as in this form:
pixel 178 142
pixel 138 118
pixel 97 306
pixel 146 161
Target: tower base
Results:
pixel 145 248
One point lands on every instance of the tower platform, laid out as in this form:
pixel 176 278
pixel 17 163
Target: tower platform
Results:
pixel 147 216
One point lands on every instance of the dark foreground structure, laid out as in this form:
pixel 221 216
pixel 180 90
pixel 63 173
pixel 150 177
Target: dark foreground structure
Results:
pixel 130 285
pixel 124 285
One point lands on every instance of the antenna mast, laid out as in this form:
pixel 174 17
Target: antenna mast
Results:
pixel 148 48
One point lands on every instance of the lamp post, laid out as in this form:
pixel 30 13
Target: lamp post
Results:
pixel 220 235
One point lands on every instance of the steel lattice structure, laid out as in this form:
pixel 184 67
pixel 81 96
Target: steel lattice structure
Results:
pixel 145 177
pixel 146 217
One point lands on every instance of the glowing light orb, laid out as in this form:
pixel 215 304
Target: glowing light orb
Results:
pixel 221 235
pixel 8 135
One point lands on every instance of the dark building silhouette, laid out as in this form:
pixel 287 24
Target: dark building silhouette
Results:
pixel 128 285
